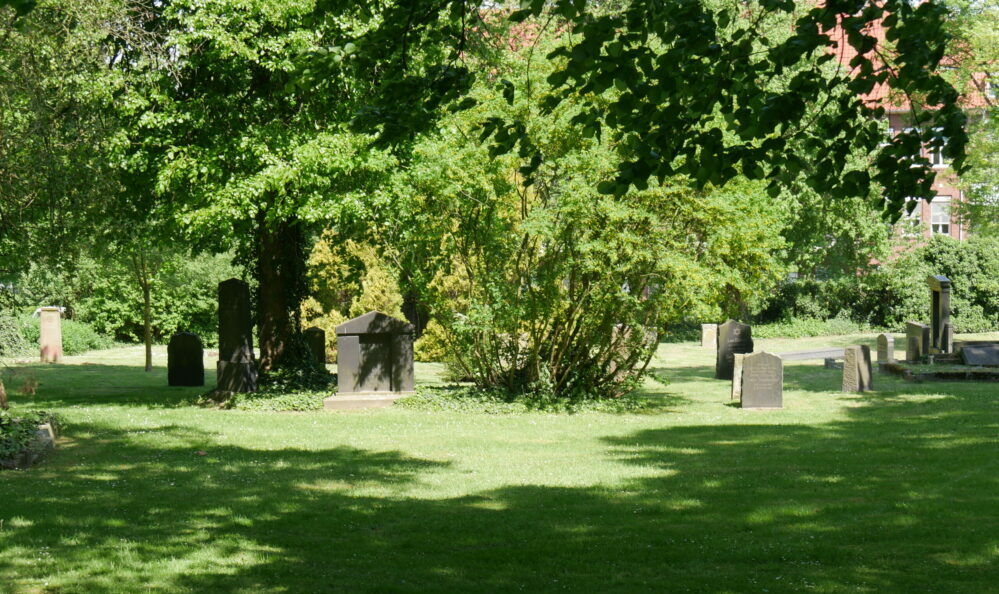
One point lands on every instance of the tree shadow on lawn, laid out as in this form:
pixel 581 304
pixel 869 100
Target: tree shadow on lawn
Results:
pixel 101 384
pixel 899 496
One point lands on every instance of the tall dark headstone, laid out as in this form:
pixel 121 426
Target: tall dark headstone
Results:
pixel 185 360
pixel 374 355
pixel 237 367
pixel 886 349
pixel 762 381
pixel 316 339
pixel 917 341
pixel 733 337
pixel 941 331
pixel 857 372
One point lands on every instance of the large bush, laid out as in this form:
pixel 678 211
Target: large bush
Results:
pixel 12 340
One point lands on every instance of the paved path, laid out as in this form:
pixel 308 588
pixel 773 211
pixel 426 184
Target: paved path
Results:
pixel 816 354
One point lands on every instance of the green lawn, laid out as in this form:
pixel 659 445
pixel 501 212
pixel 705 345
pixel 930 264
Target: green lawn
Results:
pixel 896 490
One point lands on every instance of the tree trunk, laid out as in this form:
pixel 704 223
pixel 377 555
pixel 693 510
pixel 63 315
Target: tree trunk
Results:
pixel 4 405
pixel 281 274
pixel 147 323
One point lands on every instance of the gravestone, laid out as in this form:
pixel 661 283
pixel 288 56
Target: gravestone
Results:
pixel 374 355
pixel 50 335
pixel 886 349
pixel 941 331
pixel 762 381
pixel 709 335
pixel 733 337
pixel 917 341
pixel 857 373
pixel 237 367
pixel 185 360
pixel 316 339
pixel 737 376
pixel 984 355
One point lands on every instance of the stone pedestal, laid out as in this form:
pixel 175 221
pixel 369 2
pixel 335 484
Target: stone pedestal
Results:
pixel 50 336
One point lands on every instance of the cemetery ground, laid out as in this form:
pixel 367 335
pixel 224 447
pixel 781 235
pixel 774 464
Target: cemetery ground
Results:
pixel 894 490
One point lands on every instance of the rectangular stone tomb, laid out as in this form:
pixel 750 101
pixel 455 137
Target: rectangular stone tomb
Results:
pixel 375 358
pixel 762 381
pixel 733 337
pixel 857 373
pixel 983 355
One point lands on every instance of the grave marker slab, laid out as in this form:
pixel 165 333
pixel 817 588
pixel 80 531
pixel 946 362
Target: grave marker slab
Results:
pixel 737 376
pixel 857 373
pixel 941 332
pixel 50 335
pixel 237 367
pixel 733 337
pixel 709 335
pixel 886 349
pixel 917 341
pixel 985 355
pixel 316 339
pixel 185 360
pixel 762 381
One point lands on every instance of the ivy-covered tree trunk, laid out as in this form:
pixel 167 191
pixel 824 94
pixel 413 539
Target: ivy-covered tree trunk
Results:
pixel 281 274
pixel 3 397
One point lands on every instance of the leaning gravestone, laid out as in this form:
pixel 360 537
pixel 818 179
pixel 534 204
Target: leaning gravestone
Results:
pixel 762 381
pixel 733 337
pixel 857 373
pixel 185 360
pixel 709 335
pixel 917 341
pixel 237 368
pixel 941 330
pixel 50 335
pixel 316 339
pixel 886 349
pixel 374 355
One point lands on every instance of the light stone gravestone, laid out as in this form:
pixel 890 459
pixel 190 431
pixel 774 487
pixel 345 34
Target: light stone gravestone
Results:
pixel 917 341
pixel 237 367
pixel 50 335
pixel 857 373
pixel 941 330
pixel 374 357
pixel 886 349
pixel 737 376
pixel 185 360
pixel 733 337
pixel 315 338
pixel 709 335
pixel 762 381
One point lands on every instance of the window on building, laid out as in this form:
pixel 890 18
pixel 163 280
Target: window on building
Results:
pixel 936 153
pixel 940 215
pixel 990 88
pixel 911 223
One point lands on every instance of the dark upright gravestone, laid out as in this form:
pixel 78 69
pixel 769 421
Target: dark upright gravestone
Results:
pixel 316 339
pixel 886 349
pixel 857 373
pixel 762 381
pixel 941 331
pixel 374 355
pixel 733 337
pixel 917 341
pixel 185 360
pixel 237 368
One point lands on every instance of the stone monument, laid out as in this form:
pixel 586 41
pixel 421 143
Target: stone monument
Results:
pixel 857 373
pixel 50 335
pixel 709 335
pixel 886 349
pixel 733 337
pixel 185 360
pixel 737 376
pixel 917 341
pixel 237 367
pixel 941 330
pixel 374 355
pixel 316 339
pixel 762 381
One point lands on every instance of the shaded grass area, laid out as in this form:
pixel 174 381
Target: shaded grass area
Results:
pixel 896 490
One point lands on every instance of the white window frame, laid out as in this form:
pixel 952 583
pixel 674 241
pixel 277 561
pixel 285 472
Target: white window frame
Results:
pixel 938 227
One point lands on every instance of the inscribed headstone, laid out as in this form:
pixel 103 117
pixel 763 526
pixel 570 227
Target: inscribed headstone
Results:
pixel 50 335
pixel 733 337
pixel 857 373
pixel 886 348
pixel 762 381
pixel 237 367
pixel 185 360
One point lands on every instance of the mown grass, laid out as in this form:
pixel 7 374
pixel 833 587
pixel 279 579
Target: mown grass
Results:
pixel 896 490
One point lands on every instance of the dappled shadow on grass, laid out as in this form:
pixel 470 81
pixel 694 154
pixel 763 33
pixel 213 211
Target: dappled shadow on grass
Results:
pixel 101 384
pixel 900 495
